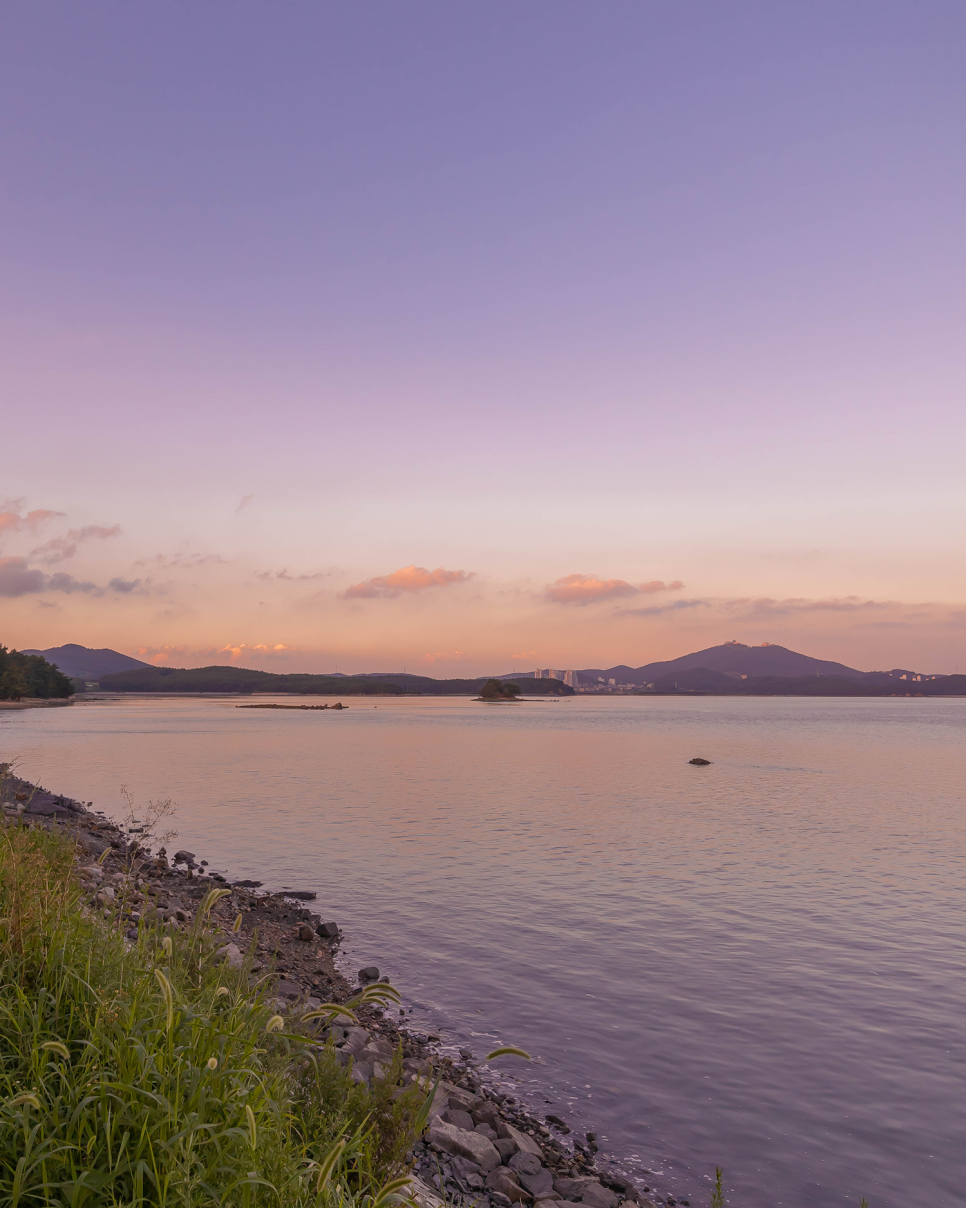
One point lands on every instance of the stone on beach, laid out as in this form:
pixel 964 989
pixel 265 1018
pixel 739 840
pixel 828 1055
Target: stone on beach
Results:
pixel 453 1140
pixel 524 1144
pixel 461 1119
pixel 369 973
pixel 327 930
pixel 305 932
pixel 504 1182
pixel 572 1189
pixel 599 1197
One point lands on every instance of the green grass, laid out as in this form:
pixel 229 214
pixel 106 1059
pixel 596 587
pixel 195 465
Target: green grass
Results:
pixel 151 1074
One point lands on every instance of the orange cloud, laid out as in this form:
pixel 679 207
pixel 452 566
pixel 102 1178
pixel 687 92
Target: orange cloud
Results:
pixel 588 589
pixel 408 579
pixel 13 522
pixel 446 656
pixel 160 655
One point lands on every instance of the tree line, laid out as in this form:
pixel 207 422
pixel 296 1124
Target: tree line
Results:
pixel 30 675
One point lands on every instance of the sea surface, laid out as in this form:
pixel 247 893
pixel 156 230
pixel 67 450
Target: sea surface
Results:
pixel 757 964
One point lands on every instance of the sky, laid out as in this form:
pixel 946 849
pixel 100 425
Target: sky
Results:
pixel 468 338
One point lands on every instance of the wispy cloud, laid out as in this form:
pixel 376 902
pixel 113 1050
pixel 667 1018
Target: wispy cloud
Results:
pixel 408 579
pixel 17 578
pixel 658 610
pixel 59 549
pixel 284 576
pixel 183 559
pixel 245 501
pixel 764 606
pixel 588 589
pixel 138 587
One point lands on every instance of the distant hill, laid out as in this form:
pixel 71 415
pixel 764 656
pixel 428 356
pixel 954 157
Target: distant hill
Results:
pixel 240 679
pixel 731 658
pixel 80 662
pixel 709 670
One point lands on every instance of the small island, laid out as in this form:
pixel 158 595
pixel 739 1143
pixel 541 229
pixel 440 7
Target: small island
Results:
pixel 495 691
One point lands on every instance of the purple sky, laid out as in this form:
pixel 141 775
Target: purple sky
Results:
pixel 643 292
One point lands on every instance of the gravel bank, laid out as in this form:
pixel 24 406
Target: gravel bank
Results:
pixel 481 1148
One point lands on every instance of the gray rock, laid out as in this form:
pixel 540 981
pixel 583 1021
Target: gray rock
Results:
pixel 232 954
pixel 182 857
pixel 526 1163
pixel 305 932
pixel 369 973
pixel 506 1148
pixel 468 1175
pixel 572 1189
pixel 599 1197
pixel 501 1182
pixel 289 990
pixel 486 1131
pixel 461 1119
pixel 539 1183
pixel 453 1140
pixel 328 931
pixel 466 1101
pixel 524 1144
pixel 487 1115
pixel 45 805
pixel 301 895
pixel 701 763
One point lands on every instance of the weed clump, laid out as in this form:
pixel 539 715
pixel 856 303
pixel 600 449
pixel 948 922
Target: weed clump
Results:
pixel 146 1073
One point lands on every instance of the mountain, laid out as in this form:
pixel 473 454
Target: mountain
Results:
pixel 731 658
pixel 737 660
pixel 81 662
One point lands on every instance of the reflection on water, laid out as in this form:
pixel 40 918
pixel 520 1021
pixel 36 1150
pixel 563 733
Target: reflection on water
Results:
pixel 757 964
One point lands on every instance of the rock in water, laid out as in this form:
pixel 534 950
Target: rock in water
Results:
pixel 328 931
pixel 369 973
pixel 701 763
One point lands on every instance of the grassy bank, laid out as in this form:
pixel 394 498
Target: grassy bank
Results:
pixel 150 1073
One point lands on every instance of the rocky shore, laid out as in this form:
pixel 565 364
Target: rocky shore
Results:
pixel 481 1148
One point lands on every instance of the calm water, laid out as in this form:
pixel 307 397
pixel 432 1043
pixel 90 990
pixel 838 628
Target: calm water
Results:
pixel 758 964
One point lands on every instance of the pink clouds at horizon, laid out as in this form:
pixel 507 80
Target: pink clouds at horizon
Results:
pixel 408 579
pixel 588 589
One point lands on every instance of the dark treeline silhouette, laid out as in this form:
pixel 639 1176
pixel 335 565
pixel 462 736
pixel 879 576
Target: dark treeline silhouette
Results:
pixel 30 675
pixel 240 679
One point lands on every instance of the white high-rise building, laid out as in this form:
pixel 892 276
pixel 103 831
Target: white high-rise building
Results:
pixel 568 677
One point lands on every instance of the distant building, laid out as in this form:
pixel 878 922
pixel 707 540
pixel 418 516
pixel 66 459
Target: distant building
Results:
pixel 568 677
pixel 612 683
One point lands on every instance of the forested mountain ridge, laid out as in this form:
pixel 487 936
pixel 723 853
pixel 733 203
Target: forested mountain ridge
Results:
pixel 240 679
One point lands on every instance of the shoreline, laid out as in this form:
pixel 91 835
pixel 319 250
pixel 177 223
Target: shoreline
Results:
pixel 482 1147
